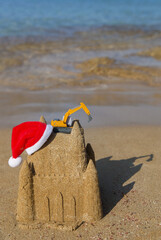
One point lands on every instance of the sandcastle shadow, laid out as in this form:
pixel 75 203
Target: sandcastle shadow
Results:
pixel 112 175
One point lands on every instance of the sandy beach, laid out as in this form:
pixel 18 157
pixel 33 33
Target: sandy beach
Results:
pixel 128 165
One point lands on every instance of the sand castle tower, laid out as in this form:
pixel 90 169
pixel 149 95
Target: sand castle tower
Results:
pixel 58 185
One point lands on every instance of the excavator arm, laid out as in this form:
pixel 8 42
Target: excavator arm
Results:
pixel 71 111
pixel 63 123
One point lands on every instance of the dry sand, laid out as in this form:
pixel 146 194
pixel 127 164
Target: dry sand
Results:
pixel 129 170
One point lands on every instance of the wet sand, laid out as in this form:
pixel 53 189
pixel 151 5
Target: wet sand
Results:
pixel 128 165
pixel 117 105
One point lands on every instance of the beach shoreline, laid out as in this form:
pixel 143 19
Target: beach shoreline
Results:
pixel 102 115
pixel 110 69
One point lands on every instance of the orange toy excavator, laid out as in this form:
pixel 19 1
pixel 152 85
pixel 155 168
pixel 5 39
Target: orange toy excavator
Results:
pixel 66 124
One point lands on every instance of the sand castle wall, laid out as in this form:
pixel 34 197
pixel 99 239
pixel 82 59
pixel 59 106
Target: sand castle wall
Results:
pixel 58 185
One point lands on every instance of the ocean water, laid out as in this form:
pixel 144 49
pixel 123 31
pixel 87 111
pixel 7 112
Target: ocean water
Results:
pixel 21 18
pixel 56 54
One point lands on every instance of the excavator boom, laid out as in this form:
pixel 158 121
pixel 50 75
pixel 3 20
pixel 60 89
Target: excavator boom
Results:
pixel 71 111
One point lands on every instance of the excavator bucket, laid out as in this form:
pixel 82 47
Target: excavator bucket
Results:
pixel 89 118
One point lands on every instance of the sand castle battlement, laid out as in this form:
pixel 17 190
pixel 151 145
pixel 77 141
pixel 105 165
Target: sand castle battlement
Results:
pixel 58 185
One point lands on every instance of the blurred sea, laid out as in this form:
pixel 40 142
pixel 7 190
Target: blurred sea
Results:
pixel 52 18
pixel 55 54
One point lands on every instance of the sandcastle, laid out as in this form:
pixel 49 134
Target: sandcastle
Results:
pixel 58 185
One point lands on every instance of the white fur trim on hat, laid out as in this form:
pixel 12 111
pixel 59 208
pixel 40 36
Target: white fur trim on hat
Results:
pixel 42 140
pixel 14 162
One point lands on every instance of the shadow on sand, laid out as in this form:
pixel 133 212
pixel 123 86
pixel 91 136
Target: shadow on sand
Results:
pixel 112 175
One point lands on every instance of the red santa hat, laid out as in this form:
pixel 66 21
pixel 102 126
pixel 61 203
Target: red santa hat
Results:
pixel 29 136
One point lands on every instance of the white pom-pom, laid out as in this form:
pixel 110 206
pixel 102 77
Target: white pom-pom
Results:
pixel 14 162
